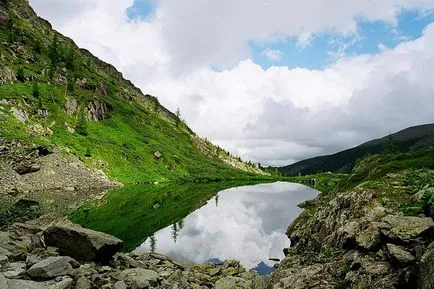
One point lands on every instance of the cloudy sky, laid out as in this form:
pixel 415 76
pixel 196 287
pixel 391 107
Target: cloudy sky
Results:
pixel 274 81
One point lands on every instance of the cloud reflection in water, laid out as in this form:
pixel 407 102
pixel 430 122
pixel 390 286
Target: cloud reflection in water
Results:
pixel 246 223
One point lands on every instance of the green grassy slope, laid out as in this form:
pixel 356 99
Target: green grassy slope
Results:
pixel 40 70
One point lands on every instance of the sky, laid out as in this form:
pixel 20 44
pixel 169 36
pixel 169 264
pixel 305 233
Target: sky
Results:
pixel 274 81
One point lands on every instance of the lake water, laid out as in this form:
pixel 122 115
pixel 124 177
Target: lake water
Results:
pixel 244 223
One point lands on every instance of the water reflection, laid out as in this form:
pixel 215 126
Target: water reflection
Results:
pixel 245 223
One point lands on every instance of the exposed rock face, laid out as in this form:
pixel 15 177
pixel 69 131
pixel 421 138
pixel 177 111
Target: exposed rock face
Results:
pixel 82 244
pixel 400 254
pixel 43 174
pixel 20 114
pixel 349 240
pixel 71 106
pixel 404 229
pixel 6 75
pixel 96 111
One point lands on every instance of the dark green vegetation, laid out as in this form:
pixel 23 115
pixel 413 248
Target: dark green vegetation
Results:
pixel 407 140
pixel 52 92
pixel 135 212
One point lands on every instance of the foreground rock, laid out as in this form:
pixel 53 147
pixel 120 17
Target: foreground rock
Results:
pixel 36 257
pixel 350 240
pixel 82 244
pixel 50 268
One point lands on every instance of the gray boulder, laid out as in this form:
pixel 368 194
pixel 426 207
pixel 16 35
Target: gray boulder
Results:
pixel 370 238
pixel 83 283
pixel 399 254
pixel 82 244
pixel 139 277
pixel 405 228
pixel 50 268
pixel 15 270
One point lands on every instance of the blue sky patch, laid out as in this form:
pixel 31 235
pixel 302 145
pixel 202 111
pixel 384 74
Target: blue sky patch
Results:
pixel 141 10
pixel 324 48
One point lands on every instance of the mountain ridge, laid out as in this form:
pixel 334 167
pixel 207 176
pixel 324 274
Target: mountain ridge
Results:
pixel 411 138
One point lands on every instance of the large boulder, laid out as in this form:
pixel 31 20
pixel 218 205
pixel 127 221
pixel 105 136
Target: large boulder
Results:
pixel 399 254
pixel 82 244
pixel 403 228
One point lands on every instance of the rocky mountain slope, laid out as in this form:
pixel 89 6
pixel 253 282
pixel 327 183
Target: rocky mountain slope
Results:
pixel 375 229
pixel 54 93
pixel 405 140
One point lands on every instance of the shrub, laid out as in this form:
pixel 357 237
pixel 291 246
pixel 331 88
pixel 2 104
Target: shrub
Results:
pixel 20 74
pixel 37 45
pixel 70 59
pixel 35 91
pixel 71 85
pixel 81 126
pixel 88 153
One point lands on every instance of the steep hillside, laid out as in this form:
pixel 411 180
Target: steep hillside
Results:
pixel 406 140
pixel 54 93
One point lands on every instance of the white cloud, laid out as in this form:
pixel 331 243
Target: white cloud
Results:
pixel 273 55
pixel 273 116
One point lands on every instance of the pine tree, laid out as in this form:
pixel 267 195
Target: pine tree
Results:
pixel 178 116
pixel 81 126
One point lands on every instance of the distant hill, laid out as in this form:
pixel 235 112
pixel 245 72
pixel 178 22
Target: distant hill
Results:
pixel 405 140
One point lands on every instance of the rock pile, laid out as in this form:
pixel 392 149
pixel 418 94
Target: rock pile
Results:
pixel 32 256
pixel 352 241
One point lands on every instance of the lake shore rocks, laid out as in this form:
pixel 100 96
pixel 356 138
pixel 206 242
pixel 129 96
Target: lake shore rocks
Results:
pixel 33 256
pixel 350 240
